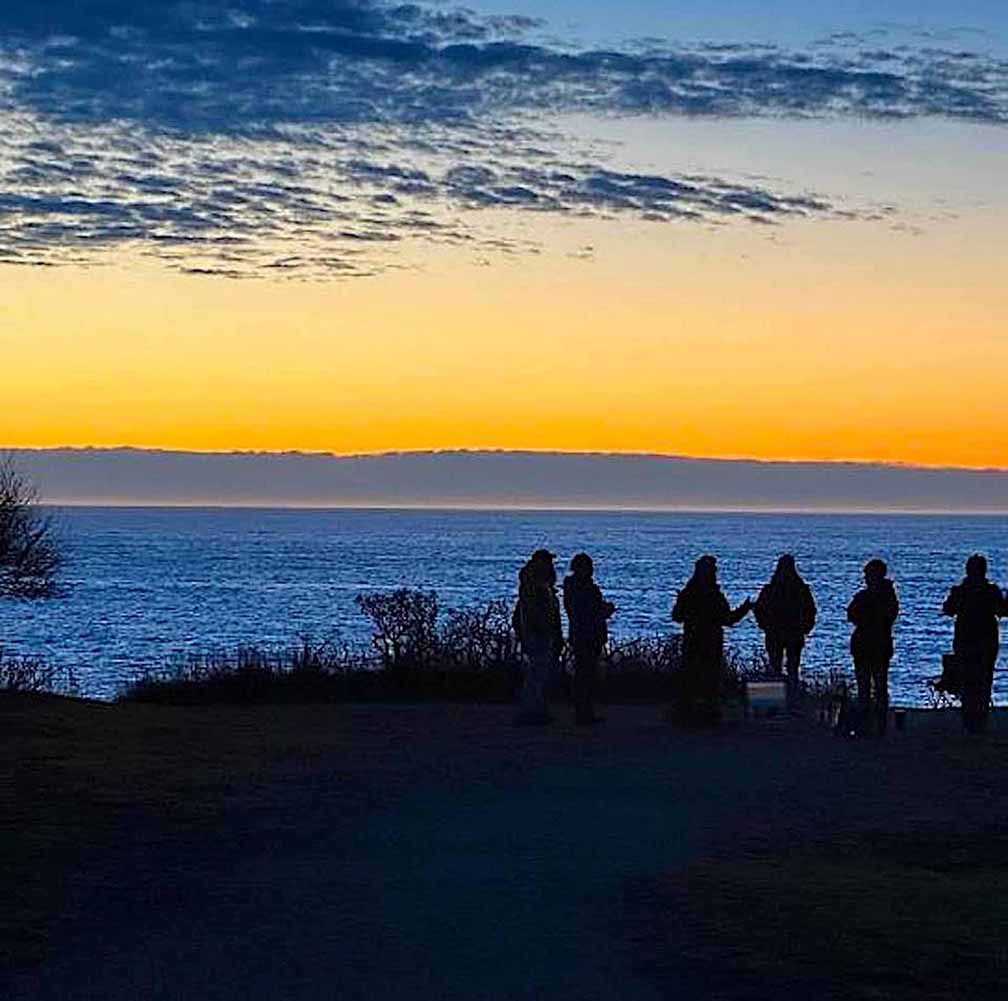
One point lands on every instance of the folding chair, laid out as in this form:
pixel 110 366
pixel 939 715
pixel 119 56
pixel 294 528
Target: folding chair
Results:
pixel 945 691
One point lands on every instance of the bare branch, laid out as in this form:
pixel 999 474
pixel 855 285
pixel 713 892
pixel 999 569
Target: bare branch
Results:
pixel 30 558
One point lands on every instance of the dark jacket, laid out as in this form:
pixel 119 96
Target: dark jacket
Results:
pixel 704 612
pixel 587 614
pixel 873 611
pixel 976 605
pixel 537 615
pixel 785 608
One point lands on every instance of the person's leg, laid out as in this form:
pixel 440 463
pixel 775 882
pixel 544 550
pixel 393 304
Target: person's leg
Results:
pixel 984 688
pixel 548 673
pixel 537 668
pixel 881 682
pixel 988 692
pixel 970 706
pixel 794 651
pixel 711 692
pixel 862 675
pixel 591 684
pixel 971 692
pixel 529 696
pixel 685 689
pixel 693 690
pixel 775 653
pixel 584 683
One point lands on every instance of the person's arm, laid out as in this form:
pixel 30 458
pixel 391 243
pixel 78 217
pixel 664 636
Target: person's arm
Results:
pixel 679 609
pixel 809 612
pixel 952 603
pixel 555 624
pixel 735 616
pixel 894 610
pixel 997 600
pixel 518 621
pixel 854 609
pixel 603 609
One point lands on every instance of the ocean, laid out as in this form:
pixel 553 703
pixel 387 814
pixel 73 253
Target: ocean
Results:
pixel 143 585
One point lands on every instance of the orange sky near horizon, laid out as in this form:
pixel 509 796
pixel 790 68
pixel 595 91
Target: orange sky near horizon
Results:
pixel 764 238
pixel 808 341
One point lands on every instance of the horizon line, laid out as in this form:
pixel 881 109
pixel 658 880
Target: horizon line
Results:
pixel 141 505
pixel 492 450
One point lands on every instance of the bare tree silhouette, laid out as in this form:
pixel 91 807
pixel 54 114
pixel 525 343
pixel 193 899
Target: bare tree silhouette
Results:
pixel 30 556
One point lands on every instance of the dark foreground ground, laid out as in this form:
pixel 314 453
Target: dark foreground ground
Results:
pixel 439 852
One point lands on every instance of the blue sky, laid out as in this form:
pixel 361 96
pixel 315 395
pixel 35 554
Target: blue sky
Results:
pixel 714 216
pixel 779 21
pixel 201 132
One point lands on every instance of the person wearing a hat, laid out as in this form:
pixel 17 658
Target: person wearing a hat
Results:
pixel 537 623
pixel 704 612
pixel 588 615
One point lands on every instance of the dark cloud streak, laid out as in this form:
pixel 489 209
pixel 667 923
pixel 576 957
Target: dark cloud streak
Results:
pixel 292 131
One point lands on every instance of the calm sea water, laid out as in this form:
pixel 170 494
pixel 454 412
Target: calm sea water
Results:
pixel 146 584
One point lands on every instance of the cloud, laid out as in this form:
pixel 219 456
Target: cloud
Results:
pixel 306 138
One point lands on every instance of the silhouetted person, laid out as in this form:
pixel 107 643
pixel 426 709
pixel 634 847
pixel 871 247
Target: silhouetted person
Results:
pixel 588 615
pixel 786 612
pixel 873 611
pixel 977 604
pixel 537 623
pixel 704 612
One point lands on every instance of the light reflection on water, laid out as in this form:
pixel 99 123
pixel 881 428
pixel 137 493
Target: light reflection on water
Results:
pixel 146 584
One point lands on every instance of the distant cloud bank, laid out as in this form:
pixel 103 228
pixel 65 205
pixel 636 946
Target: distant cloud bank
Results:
pixel 300 137
pixel 501 479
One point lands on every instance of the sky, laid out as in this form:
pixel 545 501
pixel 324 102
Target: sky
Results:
pixel 729 229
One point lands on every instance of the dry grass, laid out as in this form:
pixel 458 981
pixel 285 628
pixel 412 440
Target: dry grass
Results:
pixel 870 872
pixel 77 775
pixel 884 881
pixel 73 773
pixel 816 926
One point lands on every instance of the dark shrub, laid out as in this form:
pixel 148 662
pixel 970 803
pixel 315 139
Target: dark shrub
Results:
pixel 313 672
pixel 33 674
pixel 30 558
pixel 470 653
pixel 643 668
pixel 479 638
pixel 404 628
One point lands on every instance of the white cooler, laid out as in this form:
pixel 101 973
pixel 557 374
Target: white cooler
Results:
pixel 766 698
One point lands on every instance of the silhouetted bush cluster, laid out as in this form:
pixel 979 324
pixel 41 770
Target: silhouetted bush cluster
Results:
pixel 33 674
pixel 308 672
pixel 648 668
pixel 418 650
pixel 469 653
pixel 404 626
